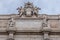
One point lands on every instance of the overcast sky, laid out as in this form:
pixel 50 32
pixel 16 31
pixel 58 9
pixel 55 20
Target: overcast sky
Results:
pixel 47 6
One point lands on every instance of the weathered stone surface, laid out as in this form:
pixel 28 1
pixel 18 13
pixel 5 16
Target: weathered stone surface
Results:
pixel 32 25
pixel 29 25
pixel 29 37
pixel 54 23
pixel 3 23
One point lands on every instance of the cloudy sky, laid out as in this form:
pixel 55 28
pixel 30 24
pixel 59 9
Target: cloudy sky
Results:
pixel 47 6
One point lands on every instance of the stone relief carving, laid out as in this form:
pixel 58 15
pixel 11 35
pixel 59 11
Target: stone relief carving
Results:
pixel 20 10
pixel 28 10
pixel 11 36
pixel 11 29
pixel 11 22
pixel 46 36
pixel 45 23
pixel 36 11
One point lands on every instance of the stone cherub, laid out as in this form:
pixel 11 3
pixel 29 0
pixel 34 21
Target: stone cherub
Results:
pixel 35 11
pixel 21 11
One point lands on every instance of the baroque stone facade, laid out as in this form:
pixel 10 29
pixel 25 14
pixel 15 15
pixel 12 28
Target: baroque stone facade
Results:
pixel 29 25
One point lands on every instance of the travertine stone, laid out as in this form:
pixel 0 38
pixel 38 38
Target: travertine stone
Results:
pixel 28 37
pixel 28 10
pixel 11 36
pixel 3 23
pixel 46 36
pixel 29 25
pixel 54 23
pixel 11 32
pixel 10 39
pixel 11 29
pixel 11 23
